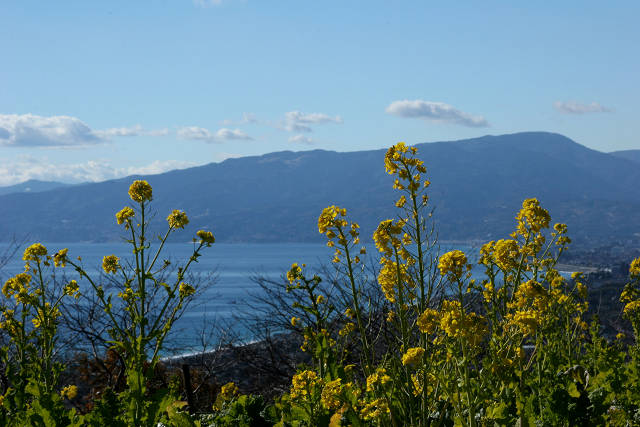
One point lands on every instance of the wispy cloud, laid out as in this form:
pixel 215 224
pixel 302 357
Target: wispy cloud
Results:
pixel 29 130
pixel 207 3
pixel 247 118
pixel 203 134
pixel 136 130
pixel 296 121
pixel 573 107
pixel 438 112
pixel 13 171
pixel 301 139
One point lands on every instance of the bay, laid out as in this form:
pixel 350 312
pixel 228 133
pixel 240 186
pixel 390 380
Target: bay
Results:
pixel 231 265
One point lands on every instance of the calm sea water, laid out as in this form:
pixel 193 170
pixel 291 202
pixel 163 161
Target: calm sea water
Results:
pixel 232 264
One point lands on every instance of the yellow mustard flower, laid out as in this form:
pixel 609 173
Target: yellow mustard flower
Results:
pixel 428 321
pixel 177 219
pixel 186 290
pixel 229 391
pixel 453 264
pixel 206 237
pixel 72 289
pixel 34 252
pixel 110 264
pixel 140 191
pixel 330 396
pixel 506 254
pixel 634 267
pixel 532 217
pixel 304 384
pixel 413 356
pixel 374 409
pixel 378 378
pixel 60 258
pixel 70 392
pixel 124 214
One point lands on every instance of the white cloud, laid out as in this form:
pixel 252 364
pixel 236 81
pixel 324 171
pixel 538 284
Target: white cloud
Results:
pixel 573 107
pixel 301 139
pixel 203 134
pixel 27 167
pixel 136 130
pixel 438 112
pixel 295 121
pixel 29 130
pixel 247 118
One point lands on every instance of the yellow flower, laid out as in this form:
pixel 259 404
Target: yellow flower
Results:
pixel 124 214
pixel 228 391
pixel 532 216
pixel 206 237
pixel 70 392
pixel 631 307
pixel 72 289
pixel 347 329
pixel 34 252
pixel 294 321
pixel 413 356
pixel 401 201
pixel 379 377
pixel 506 254
pixel 304 384
pixel 428 321
pixel 60 258
pixel 127 294
pixel 328 217
pixel 140 191
pixel 110 264
pixel 320 299
pixel 17 284
pixel 374 409
pixel 527 320
pixel 330 396
pixel 186 290
pixel 177 219
pixel 453 264
pixel 456 323
pixel 390 316
pixel 634 268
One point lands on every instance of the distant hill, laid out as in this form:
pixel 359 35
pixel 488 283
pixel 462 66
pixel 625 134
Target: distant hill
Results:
pixel 32 186
pixel 633 155
pixel 477 187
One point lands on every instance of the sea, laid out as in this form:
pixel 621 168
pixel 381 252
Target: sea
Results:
pixel 225 269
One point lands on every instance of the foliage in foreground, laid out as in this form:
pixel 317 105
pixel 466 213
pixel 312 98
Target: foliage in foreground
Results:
pixel 513 346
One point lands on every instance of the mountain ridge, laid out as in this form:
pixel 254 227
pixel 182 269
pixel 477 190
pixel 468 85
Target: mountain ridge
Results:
pixel 478 185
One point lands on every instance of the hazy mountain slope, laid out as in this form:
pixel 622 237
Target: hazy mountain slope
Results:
pixel 477 187
pixel 633 155
pixel 32 186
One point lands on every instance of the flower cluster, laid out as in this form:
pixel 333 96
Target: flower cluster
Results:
pixel 455 322
pixel 110 264
pixel 413 356
pixel 228 391
pixel 428 321
pixel 454 265
pixel 140 191
pixel 177 219
pixel 304 385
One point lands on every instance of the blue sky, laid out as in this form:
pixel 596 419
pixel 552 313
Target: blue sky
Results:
pixel 97 90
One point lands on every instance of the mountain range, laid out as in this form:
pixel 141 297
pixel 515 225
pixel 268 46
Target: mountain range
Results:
pixel 477 188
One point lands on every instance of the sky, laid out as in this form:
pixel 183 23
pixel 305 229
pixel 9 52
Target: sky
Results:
pixel 94 90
